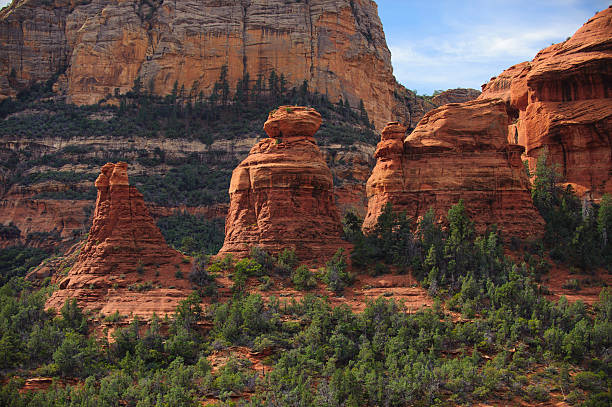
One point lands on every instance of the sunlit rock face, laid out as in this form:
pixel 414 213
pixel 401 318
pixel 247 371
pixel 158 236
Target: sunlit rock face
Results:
pixel 458 151
pixel 561 101
pixel 281 195
pixel 98 47
pixel 124 248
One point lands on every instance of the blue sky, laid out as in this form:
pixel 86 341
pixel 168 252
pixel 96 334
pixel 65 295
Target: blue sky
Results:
pixel 443 44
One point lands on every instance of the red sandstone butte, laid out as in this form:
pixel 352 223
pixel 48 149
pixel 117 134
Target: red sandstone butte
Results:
pixel 562 101
pixel 281 195
pixel 125 265
pixel 458 151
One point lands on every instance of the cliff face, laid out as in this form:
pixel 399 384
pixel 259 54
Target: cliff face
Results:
pixel 562 101
pixel 338 46
pixel 42 222
pixel 458 95
pixel 458 151
pixel 124 248
pixel 33 45
pixel 281 195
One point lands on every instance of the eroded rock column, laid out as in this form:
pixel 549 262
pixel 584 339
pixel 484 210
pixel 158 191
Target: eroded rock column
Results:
pixel 281 195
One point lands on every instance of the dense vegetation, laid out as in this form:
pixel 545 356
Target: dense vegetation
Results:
pixel 192 234
pixel 497 336
pixel 183 114
pixel 578 233
pixel 16 261
pixel 491 335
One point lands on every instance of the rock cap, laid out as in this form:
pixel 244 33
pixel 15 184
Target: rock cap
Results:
pixel 292 121
pixel 119 175
pixel 393 131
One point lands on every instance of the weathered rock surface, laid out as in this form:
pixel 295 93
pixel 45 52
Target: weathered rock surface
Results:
pixel 561 101
pixel 42 222
pixel 458 151
pixel 338 46
pixel 458 95
pixel 124 252
pixel 281 195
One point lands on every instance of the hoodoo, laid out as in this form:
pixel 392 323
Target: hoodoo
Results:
pixel 124 251
pixel 281 195
pixel 458 151
pixel 562 102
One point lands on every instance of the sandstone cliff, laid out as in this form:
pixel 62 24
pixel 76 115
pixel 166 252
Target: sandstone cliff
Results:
pixel 124 255
pixel 42 222
pixel 281 195
pixel 458 95
pixel 458 151
pixel 562 101
pixel 90 49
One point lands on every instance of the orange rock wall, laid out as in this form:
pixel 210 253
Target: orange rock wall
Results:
pixel 36 217
pixel 458 95
pixel 338 46
pixel 561 101
pixel 458 151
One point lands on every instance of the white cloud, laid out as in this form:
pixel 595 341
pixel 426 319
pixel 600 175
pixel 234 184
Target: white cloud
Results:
pixel 468 58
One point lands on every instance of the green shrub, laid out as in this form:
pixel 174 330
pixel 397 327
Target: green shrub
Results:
pixel 336 276
pixel 287 261
pixel 590 381
pixel 572 284
pixel 244 269
pixel 537 392
pixel 200 275
pixel 303 279
pixel 266 283
pixel 264 258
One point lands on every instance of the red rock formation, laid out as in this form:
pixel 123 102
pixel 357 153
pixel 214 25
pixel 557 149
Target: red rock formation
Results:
pixel 338 46
pixel 458 95
pixel 458 151
pixel 562 101
pixel 281 195
pixel 124 248
pixel 42 222
pixel 387 182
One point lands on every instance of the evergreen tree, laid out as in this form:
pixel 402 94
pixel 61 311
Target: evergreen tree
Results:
pixel 224 85
pixel 137 86
pixel 544 191
pixel 364 113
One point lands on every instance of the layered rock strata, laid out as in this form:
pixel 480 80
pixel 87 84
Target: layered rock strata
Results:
pixel 458 151
pixel 125 265
pixel 561 101
pixel 42 222
pixel 94 48
pixel 281 195
pixel 458 95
